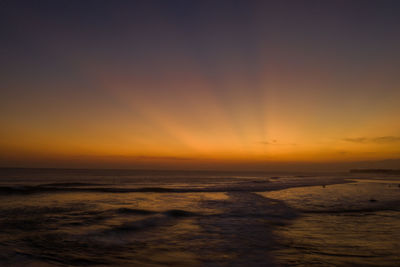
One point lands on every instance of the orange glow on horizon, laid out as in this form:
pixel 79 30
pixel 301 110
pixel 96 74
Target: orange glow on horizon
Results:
pixel 199 126
pixel 162 89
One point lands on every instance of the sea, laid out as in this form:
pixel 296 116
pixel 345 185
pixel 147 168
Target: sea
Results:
pixel 79 217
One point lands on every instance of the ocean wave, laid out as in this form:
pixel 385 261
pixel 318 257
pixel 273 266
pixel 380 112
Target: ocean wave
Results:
pixel 30 210
pixel 249 186
pixel 9 190
pixel 157 219
pixel 172 212
pixel 134 211
pixel 137 225
pixel 179 213
pixel 355 210
pixel 71 184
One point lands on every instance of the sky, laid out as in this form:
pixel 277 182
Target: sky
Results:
pixel 200 84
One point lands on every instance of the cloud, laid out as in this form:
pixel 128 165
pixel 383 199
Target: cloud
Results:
pixel 264 143
pixel 276 143
pixel 376 140
pixel 356 140
pixel 387 139
pixel 161 158
pixel 144 157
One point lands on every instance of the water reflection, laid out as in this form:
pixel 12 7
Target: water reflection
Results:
pixel 340 226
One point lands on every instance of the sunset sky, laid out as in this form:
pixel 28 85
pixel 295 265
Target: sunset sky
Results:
pixel 199 84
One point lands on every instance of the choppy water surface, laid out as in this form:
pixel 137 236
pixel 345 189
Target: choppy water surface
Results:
pixel 142 218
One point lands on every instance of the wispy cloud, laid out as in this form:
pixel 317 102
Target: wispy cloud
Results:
pixel 144 157
pixel 267 143
pixel 275 143
pixel 387 139
pixel 356 140
pixel 161 158
pixel 377 140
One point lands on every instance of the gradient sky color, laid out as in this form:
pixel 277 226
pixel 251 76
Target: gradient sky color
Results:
pixel 199 84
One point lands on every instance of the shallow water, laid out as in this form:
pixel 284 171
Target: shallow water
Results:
pixel 342 225
pixel 85 217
